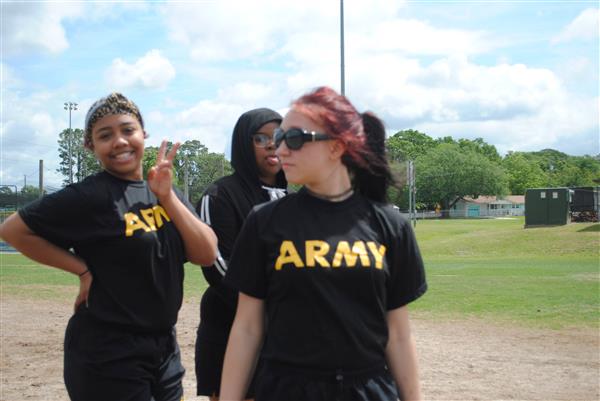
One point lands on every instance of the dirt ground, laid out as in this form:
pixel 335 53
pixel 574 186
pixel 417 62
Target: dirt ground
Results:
pixel 459 360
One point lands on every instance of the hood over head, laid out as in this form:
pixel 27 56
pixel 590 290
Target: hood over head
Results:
pixel 243 160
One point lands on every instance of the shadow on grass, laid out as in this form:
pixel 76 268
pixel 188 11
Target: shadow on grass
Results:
pixel 594 229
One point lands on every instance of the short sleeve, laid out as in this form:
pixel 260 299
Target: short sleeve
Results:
pixel 407 274
pixel 59 217
pixel 247 265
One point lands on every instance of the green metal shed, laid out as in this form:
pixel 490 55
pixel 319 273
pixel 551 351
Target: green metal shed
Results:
pixel 547 206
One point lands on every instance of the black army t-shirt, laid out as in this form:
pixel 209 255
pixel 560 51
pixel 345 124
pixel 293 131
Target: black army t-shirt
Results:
pixel 128 242
pixel 329 272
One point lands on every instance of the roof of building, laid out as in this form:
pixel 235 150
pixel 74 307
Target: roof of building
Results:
pixel 484 199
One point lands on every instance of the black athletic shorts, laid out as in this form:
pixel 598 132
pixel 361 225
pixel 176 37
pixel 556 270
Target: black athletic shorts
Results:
pixel 103 362
pixel 278 382
pixel 216 317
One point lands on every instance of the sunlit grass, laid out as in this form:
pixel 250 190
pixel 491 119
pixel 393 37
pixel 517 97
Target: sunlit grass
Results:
pixel 489 269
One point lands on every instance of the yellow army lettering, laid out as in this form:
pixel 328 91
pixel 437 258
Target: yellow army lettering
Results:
pixel 316 252
pixel 152 220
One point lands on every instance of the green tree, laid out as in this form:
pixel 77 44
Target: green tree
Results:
pixel 212 167
pixel 478 145
pixel 589 169
pixel 523 173
pixel 408 145
pixel 76 162
pixel 149 159
pixel 562 170
pixel 447 173
pixel 8 198
pixel 397 193
pixel 28 194
pixel 203 167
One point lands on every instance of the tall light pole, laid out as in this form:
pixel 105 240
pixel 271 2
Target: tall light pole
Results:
pixel 342 45
pixel 70 106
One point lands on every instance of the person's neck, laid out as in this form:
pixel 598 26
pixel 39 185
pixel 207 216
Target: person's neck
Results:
pixel 268 180
pixel 336 189
pixel 341 196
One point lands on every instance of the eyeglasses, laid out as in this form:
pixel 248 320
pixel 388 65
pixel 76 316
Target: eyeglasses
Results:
pixel 262 140
pixel 295 137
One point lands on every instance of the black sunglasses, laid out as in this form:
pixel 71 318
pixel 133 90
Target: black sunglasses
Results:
pixel 295 137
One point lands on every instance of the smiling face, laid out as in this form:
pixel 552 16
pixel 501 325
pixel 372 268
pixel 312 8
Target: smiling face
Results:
pixel 266 160
pixel 118 143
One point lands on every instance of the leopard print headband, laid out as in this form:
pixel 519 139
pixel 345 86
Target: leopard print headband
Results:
pixel 115 103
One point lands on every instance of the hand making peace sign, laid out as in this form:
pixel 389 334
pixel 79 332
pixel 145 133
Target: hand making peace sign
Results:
pixel 160 177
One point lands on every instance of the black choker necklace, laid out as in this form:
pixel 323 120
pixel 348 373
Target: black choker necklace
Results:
pixel 337 197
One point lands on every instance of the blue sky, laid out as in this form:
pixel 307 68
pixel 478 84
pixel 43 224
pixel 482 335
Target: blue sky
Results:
pixel 523 75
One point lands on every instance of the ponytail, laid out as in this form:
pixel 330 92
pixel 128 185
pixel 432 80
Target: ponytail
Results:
pixel 373 178
pixel 363 135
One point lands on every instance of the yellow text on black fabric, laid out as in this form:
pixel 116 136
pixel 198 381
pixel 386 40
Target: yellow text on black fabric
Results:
pixel 152 220
pixel 319 253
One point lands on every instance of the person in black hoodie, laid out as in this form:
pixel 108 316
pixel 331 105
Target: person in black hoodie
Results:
pixel 257 178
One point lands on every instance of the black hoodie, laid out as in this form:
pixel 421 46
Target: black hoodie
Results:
pixel 224 206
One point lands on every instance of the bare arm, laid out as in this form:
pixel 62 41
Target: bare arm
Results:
pixel 245 339
pixel 199 240
pixel 401 355
pixel 19 235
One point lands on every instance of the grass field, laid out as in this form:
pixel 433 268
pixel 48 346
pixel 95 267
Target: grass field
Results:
pixel 496 269
pixel 489 269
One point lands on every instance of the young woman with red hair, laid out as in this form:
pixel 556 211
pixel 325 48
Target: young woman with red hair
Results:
pixel 324 275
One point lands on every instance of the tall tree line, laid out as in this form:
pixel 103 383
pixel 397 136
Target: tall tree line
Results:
pixel 193 161
pixel 446 168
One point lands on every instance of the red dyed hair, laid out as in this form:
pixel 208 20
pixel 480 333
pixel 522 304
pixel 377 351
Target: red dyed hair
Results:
pixel 362 134
pixel 339 117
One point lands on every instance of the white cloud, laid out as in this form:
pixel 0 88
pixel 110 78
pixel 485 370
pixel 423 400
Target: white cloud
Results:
pixel 30 128
pixel 211 121
pixel 586 26
pixel 34 26
pixel 417 37
pixel 152 71
pixel 510 105
pixel 234 30
pixel 8 78
pixel 570 125
pixel 38 26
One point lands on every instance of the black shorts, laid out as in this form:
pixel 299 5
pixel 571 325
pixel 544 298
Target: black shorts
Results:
pixel 103 362
pixel 277 382
pixel 216 317
pixel 209 365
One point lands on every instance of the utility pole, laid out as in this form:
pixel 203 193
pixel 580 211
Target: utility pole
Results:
pixel 70 106
pixel 409 182
pixel 41 178
pixel 186 190
pixel 412 192
pixel 343 83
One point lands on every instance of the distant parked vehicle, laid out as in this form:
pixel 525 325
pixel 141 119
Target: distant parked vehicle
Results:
pixel 585 204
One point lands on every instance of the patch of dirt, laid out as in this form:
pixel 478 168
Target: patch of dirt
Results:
pixel 459 360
